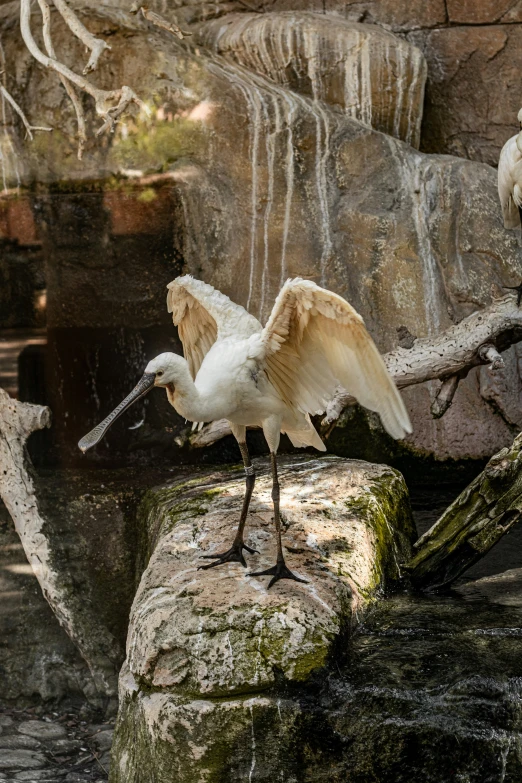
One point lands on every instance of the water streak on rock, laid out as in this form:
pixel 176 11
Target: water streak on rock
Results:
pixel 253 765
pixel 419 185
pixel 270 143
pixel 366 72
pixel 272 112
pixel 289 176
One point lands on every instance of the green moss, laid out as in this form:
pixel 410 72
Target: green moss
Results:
pixel 147 196
pixel 154 146
pixel 385 508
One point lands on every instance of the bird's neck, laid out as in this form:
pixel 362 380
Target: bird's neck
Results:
pixel 185 397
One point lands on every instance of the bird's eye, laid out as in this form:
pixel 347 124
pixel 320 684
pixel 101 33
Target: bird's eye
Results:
pixel 159 373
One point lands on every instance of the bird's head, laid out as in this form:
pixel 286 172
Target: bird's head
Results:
pixel 519 118
pixel 165 368
pixel 161 371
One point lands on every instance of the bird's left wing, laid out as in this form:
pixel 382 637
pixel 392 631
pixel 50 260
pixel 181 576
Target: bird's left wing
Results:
pixel 315 341
pixel 202 315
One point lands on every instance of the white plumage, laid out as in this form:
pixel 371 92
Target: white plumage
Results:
pixel 273 377
pixel 510 179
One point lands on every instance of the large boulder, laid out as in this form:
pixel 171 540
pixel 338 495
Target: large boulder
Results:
pixel 202 644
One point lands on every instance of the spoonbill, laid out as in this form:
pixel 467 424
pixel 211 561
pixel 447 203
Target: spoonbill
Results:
pixel 510 179
pixel 272 377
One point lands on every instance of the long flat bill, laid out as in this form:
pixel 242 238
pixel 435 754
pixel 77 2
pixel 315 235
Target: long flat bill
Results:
pixel 140 390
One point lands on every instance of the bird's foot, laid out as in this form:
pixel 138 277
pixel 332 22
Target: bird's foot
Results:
pixel 518 289
pixel 232 555
pixel 277 572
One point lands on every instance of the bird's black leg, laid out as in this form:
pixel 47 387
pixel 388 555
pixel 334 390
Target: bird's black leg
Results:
pixel 280 570
pixel 235 553
pixel 518 289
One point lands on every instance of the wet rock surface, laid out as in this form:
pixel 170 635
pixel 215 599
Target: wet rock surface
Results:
pixel 366 72
pixel 428 689
pixel 432 687
pixel 71 744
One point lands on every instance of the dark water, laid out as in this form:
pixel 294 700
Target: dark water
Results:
pixel 431 686
pixel 429 502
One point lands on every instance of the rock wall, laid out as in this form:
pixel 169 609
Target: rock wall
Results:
pixel 261 182
pixel 367 73
pixel 473 52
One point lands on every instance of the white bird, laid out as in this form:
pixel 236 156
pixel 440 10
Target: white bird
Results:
pixel 510 179
pixel 272 377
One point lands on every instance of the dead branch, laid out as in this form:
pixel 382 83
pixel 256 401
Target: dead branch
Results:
pixel 474 522
pixel 159 21
pixel 69 89
pixel 17 489
pixel 478 339
pixel 489 355
pixel 110 104
pixel 96 45
pixel 27 125
pixel 444 396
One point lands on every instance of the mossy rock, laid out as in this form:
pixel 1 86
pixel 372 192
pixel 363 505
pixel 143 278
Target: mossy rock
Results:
pixel 201 640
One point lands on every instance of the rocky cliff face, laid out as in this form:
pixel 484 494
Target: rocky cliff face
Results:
pixel 260 177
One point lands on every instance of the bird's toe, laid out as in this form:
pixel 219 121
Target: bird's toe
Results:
pixel 277 572
pixel 232 555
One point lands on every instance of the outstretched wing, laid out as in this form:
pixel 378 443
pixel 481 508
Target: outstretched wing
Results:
pixel 204 315
pixel 315 341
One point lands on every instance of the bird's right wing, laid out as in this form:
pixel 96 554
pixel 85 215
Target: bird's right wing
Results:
pixel 202 315
pixel 315 341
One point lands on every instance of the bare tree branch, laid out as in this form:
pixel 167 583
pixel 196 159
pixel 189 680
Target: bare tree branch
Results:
pixel 96 45
pixel 158 20
pixel 28 127
pixel 69 89
pixel 110 104
pixel 485 511
pixel 489 355
pixel 17 489
pixel 444 396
